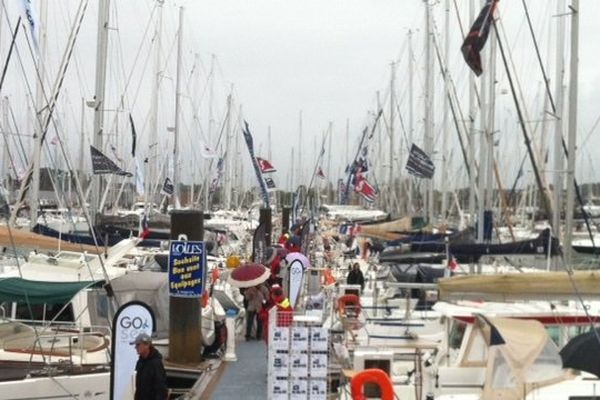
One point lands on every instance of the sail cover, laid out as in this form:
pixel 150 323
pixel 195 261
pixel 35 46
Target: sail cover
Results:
pixel 40 292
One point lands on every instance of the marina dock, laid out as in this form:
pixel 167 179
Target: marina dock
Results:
pixel 245 377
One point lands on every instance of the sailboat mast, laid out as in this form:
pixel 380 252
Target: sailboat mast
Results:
pixel 445 126
pixel 411 119
pixel 177 112
pixel 99 106
pixel 572 139
pixel 34 193
pixel 428 103
pixel 392 194
pixel 472 105
pixel 228 155
pixel 558 164
pixel 490 127
pixel 299 177
pixel 152 178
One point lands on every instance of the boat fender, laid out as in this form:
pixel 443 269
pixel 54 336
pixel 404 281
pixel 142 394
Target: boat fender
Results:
pixel 350 301
pixel 376 376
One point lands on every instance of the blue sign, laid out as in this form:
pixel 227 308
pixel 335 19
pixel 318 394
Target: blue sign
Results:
pixel 187 264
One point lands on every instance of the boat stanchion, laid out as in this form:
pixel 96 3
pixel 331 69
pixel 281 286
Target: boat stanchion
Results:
pixel 230 317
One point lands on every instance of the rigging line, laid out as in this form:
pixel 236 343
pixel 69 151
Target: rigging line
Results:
pixel 594 126
pixel 445 74
pixel 22 153
pixel 137 59
pixel 539 58
pixel 564 145
pixel 10 50
pixel 545 200
pixel 49 118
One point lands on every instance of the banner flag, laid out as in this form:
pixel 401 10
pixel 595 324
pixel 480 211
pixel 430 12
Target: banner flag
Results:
pixel 102 165
pixel 261 181
pixel 419 164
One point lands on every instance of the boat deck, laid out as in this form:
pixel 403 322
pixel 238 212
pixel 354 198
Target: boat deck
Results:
pixel 245 378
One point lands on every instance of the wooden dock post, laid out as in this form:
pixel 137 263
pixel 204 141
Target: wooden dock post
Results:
pixel 185 334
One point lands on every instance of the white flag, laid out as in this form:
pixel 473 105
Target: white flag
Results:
pixel 32 20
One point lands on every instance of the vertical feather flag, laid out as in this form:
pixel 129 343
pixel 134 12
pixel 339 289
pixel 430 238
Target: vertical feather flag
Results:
pixel 261 181
pixel 477 37
pixel 133 136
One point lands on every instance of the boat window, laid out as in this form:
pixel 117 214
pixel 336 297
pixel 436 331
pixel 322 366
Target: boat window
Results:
pixel 457 332
pixel 45 312
pixel 502 374
pixel 547 365
pixel 477 350
pixel 554 333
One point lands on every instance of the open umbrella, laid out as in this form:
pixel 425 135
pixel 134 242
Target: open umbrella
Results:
pixel 248 275
pixel 291 257
pixel 273 251
pixel 581 353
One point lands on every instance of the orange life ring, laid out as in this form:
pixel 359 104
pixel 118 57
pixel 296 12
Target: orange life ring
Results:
pixel 376 376
pixel 350 301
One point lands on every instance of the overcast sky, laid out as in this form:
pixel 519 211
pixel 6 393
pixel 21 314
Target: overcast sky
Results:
pixel 324 58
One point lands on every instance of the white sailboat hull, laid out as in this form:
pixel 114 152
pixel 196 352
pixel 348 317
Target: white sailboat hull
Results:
pixel 85 386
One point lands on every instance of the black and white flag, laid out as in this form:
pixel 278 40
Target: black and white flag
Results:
pixel 419 164
pixel 167 189
pixel 102 165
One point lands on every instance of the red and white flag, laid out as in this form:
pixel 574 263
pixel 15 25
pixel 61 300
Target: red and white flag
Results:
pixel 265 165
pixel 320 173
pixel 364 188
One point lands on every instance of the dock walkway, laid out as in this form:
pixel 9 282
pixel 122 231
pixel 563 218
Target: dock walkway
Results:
pixel 245 378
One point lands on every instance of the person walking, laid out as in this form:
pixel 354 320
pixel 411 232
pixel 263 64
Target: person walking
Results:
pixel 355 277
pixel 255 297
pixel 150 378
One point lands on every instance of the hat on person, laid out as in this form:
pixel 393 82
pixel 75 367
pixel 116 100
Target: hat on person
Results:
pixel 142 338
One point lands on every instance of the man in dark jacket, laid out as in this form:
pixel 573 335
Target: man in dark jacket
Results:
pixel 355 277
pixel 150 379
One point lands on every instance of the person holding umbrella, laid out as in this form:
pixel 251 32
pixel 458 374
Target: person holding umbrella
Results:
pixel 255 297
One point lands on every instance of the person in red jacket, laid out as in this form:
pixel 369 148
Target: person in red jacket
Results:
pixel 284 310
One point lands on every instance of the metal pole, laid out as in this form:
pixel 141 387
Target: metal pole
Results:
pixel 101 60
pixel 558 164
pixel 185 316
pixel 429 103
pixel 34 198
pixel 177 113
pixel 411 119
pixel 472 105
pixel 572 139
pixel 152 174
pixel 445 125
